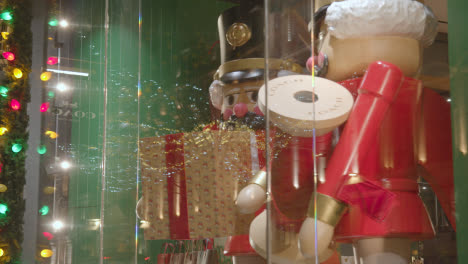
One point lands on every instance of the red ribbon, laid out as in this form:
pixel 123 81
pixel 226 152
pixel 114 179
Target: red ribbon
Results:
pixel 176 187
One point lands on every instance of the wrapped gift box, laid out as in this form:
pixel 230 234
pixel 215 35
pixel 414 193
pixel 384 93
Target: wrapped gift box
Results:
pixel 191 181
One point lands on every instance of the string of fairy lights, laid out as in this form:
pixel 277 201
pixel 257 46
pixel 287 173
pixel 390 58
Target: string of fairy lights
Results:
pixel 16 46
pixel 44 250
pixel 16 41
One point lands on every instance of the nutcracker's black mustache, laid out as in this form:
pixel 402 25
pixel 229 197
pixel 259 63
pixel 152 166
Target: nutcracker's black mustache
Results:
pixel 250 120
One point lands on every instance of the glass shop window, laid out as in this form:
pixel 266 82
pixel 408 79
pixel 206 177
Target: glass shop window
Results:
pixel 234 131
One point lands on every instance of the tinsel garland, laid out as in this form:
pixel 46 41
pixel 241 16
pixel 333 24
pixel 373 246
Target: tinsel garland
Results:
pixel 13 171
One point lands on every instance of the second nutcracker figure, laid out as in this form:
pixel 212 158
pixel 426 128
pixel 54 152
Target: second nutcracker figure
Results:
pixel 369 195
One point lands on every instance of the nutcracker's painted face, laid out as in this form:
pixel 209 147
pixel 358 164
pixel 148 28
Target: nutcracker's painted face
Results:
pixel 240 98
pixel 352 34
pixel 238 103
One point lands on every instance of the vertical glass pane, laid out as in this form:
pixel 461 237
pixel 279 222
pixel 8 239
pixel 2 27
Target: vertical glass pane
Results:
pixel 239 131
pixel 73 162
pixel 365 174
pixel 289 98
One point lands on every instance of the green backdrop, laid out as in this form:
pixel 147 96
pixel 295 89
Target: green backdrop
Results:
pixel 178 56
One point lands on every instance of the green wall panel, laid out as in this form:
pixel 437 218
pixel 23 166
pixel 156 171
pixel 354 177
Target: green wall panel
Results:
pixel 458 59
pixel 87 131
pixel 179 54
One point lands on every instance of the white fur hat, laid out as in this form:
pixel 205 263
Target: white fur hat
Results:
pixel 362 18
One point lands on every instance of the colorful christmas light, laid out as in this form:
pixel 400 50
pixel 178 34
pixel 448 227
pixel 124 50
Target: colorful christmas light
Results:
pixel 48 235
pixel 9 56
pixel 15 105
pixel 16 147
pixel 44 210
pixel 3 188
pixel 44 107
pixel 5 34
pixel 3 130
pixel 45 76
pixel 6 15
pixel 46 253
pixel 3 91
pixel 51 134
pixel 52 60
pixel 17 73
pixel 3 209
pixel 51 94
pixel 53 22
pixel 42 149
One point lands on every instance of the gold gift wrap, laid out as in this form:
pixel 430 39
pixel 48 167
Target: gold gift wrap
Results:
pixel 211 168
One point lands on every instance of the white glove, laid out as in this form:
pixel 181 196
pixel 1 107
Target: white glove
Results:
pixel 307 238
pixel 250 199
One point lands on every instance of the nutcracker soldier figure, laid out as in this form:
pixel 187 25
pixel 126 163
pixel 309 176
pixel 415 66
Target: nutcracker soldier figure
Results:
pixel 369 194
pixel 238 75
pixel 234 90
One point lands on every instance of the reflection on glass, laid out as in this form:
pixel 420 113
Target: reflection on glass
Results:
pixel 217 125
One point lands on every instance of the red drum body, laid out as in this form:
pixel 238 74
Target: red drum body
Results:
pixel 391 164
pixel 380 181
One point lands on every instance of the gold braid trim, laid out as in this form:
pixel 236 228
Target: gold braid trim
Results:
pixel 256 63
pixel 329 210
pixel 260 179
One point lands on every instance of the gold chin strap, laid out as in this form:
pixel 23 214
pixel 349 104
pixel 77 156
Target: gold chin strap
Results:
pixel 329 210
pixel 260 179
pixel 256 63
